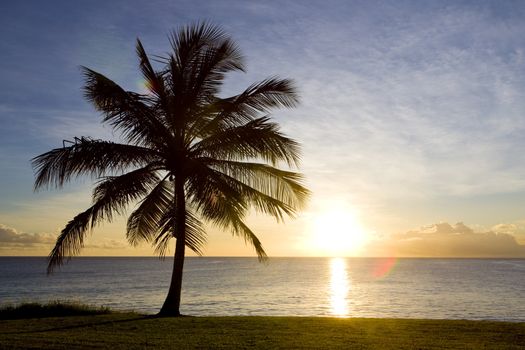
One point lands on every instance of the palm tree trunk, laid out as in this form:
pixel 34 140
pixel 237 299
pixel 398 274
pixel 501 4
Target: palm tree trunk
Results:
pixel 172 303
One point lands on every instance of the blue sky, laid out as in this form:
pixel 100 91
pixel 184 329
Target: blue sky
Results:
pixel 412 112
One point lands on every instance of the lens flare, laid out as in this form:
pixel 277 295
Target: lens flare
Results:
pixel 143 85
pixel 383 267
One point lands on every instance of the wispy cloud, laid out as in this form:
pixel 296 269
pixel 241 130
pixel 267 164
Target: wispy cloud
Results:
pixel 402 101
pixel 431 104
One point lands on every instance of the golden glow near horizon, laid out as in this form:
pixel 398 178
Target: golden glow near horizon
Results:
pixel 339 287
pixel 337 231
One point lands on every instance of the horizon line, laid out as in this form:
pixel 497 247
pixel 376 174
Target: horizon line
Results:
pixel 280 256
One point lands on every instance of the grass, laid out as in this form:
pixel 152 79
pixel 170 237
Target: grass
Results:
pixel 51 309
pixel 130 330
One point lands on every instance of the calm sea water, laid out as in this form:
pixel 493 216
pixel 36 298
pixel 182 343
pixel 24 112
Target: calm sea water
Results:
pixel 488 289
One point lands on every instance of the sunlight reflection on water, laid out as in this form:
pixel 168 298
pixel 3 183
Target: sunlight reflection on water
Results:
pixel 218 286
pixel 339 287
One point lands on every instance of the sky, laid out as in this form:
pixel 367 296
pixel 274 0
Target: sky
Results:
pixel 412 118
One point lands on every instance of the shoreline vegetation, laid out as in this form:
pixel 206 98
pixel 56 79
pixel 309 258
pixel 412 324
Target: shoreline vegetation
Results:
pixel 72 325
pixel 55 308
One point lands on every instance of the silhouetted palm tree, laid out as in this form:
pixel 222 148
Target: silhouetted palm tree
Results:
pixel 190 157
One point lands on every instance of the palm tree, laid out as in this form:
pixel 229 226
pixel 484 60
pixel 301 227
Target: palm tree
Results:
pixel 189 157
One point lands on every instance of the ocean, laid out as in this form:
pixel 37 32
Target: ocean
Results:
pixel 475 289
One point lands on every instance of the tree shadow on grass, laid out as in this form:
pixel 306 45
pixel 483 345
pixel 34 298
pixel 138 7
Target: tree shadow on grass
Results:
pixel 86 324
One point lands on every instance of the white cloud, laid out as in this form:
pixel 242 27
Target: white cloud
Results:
pixel 515 229
pixel 445 240
pixel 505 228
pixel 11 237
pixel 13 242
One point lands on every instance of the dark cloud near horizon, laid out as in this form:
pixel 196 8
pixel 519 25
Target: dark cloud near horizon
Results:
pixel 11 236
pixel 446 240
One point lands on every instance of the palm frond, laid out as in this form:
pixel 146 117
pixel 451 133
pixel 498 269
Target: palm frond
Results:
pixel 111 196
pixel 127 111
pixel 153 221
pixel 213 197
pixel 154 80
pixel 201 55
pixel 270 93
pixel 114 193
pixel 226 213
pixel 87 157
pixel 143 223
pixel 209 68
pixel 257 139
pixel 270 190
pixel 242 230
pixel 222 203
pixel 195 234
pixel 70 240
pixel 188 44
pixel 261 97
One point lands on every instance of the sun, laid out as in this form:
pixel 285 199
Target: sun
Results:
pixel 337 232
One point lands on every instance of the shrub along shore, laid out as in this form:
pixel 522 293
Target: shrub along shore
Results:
pixel 87 327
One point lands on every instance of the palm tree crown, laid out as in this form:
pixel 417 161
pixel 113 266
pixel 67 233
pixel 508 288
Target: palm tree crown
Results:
pixel 190 157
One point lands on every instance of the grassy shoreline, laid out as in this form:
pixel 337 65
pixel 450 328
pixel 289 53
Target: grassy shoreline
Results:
pixel 118 330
